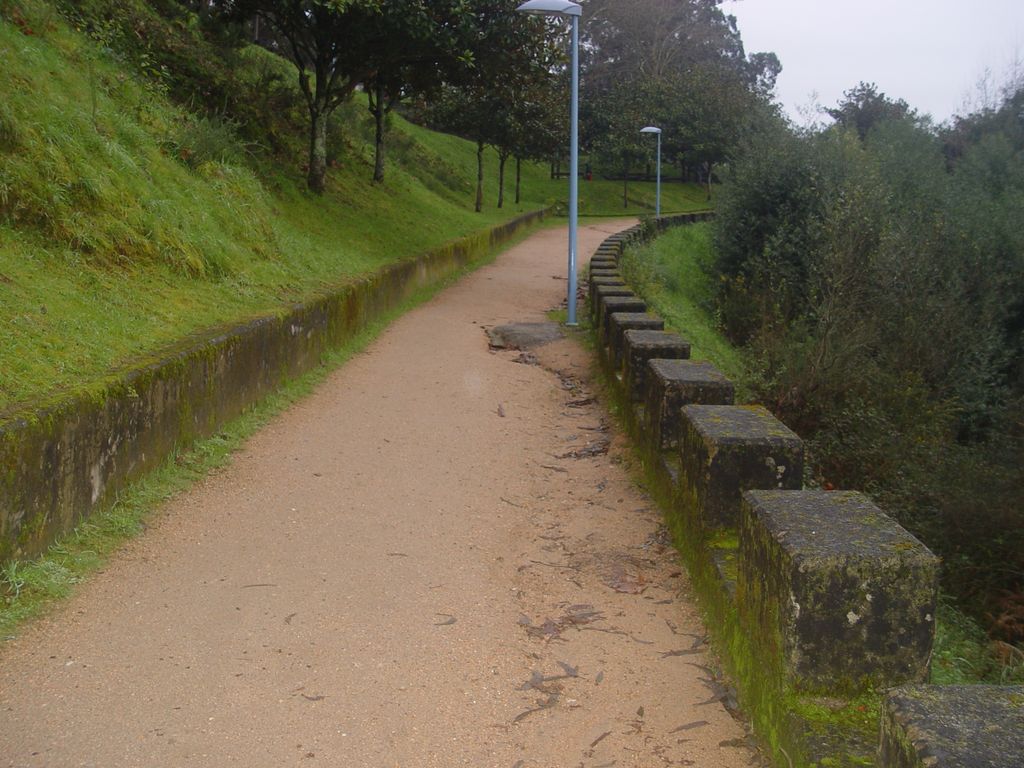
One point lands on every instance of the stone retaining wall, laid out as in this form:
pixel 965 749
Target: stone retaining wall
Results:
pixel 60 462
pixel 819 601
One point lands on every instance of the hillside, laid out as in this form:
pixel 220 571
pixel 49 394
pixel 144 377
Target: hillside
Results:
pixel 128 221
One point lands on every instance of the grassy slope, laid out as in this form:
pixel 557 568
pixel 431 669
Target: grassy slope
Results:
pixel 111 247
pixel 671 272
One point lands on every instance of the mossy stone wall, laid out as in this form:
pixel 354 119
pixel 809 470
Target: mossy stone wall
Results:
pixel 60 461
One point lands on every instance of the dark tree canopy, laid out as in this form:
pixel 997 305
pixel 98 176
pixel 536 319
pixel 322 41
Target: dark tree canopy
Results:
pixel 864 107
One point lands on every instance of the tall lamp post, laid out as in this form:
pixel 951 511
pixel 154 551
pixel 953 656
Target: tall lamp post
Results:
pixel 573 11
pixel 657 204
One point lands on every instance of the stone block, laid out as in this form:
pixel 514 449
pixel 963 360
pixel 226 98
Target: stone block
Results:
pixel 619 323
pixel 601 292
pixel 640 347
pixel 601 263
pixel 672 384
pixel 954 726
pixel 726 450
pixel 847 593
pixel 614 304
pixel 611 279
pixel 605 273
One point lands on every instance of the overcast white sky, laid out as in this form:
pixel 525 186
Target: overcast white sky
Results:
pixel 928 52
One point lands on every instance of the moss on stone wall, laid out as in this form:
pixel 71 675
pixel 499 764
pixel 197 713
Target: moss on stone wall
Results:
pixel 61 459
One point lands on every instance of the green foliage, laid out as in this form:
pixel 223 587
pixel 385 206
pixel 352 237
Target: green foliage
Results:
pixel 200 140
pixel 862 108
pixel 128 222
pixel 673 275
pixel 963 654
pixel 877 291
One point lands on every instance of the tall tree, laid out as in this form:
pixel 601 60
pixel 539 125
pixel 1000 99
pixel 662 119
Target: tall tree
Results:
pixel 411 47
pixel 510 56
pixel 864 107
pixel 320 40
pixel 686 58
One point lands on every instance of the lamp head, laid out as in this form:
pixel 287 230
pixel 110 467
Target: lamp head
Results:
pixel 551 8
pixel 650 129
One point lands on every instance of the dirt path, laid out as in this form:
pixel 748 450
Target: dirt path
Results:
pixel 400 571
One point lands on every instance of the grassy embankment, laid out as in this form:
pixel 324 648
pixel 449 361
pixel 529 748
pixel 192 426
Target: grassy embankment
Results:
pixel 128 222
pixel 672 273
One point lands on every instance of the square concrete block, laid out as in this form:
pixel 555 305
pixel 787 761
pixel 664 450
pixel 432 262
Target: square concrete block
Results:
pixel 639 348
pixel 614 279
pixel 848 592
pixel 601 292
pixel 619 323
pixel 671 384
pixel 953 726
pixel 728 449
pixel 605 273
pixel 613 304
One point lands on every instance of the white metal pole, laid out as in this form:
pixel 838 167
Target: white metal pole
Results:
pixel 657 196
pixel 574 166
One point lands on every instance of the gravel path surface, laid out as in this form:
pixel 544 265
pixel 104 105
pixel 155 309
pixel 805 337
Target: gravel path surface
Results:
pixel 431 561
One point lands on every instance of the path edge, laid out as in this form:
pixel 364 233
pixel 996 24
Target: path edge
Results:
pixel 62 461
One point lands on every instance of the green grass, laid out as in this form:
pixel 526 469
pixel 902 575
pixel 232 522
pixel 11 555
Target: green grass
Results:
pixel 963 653
pixel 671 273
pixel 28 589
pixel 127 223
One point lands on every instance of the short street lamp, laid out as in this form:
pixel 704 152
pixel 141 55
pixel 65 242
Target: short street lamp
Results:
pixel 573 11
pixel 657 204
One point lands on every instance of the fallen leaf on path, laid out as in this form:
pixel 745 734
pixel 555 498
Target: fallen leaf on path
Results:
pixel 569 671
pixel 588 451
pixel 685 652
pixel 626 583
pixel 449 620
pixel 690 726
pixel 553 468
pixel 541 705
pixel 600 738
pixel 582 402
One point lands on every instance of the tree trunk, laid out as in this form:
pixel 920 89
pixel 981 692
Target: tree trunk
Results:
pixel 479 176
pixel 377 106
pixel 502 158
pixel 317 152
pixel 519 179
pixel 709 166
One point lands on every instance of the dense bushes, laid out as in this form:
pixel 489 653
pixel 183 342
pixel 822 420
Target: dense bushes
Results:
pixel 879 286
